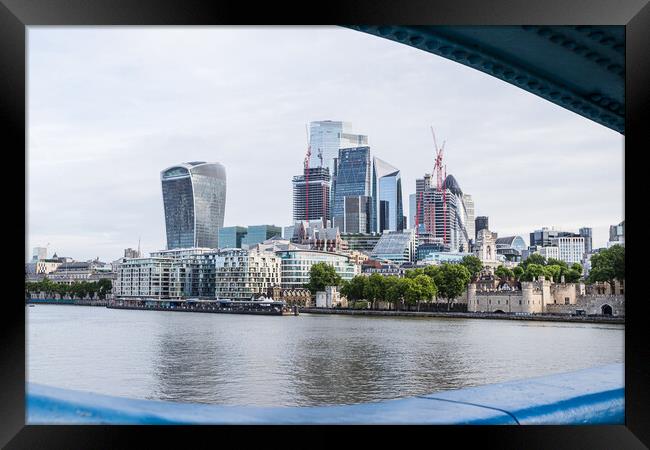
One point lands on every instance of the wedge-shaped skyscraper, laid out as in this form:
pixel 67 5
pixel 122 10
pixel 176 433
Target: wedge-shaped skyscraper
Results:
pixel 194 196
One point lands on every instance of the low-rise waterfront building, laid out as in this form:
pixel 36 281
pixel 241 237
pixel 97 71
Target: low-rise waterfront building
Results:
pixel 292 296
pixel 436 258
pixel 242 274
pixel 511 247
pixel 231 237
pixel 361 241
pixel 297 264
pixel 385 268
pixel 260 233
pixel 395 246
pixel 144 278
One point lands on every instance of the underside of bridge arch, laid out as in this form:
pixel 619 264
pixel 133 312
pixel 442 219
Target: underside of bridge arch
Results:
pixel 581 68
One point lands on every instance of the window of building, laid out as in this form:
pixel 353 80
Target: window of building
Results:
pixel 566 300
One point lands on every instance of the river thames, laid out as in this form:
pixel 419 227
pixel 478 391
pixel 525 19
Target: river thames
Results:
pixel 297 361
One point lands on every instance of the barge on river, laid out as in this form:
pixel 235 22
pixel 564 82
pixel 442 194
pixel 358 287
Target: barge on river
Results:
pixel 260 307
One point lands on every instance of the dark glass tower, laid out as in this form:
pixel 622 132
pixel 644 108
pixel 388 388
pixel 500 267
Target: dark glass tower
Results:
pixel 194 197
pixel 353 172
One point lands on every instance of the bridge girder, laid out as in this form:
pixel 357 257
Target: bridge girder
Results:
pixel 580 68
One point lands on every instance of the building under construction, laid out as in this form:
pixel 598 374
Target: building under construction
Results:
pixel 441 216
pixel 311 194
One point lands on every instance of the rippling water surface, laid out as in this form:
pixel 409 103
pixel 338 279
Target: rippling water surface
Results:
pixel 290 361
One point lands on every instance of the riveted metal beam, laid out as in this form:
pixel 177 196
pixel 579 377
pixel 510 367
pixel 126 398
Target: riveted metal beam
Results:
pixel 581 68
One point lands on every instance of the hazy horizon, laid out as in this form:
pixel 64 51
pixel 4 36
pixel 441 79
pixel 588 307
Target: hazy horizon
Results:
pixel 110 107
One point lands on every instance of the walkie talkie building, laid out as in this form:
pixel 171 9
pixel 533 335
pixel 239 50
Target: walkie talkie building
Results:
pixel 194 196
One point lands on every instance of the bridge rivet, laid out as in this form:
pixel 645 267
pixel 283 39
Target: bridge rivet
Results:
pixel 432 44
pixel 459 54
pixel 401 35
pixel 384 30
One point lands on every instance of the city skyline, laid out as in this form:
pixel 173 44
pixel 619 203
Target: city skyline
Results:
pixel 110 127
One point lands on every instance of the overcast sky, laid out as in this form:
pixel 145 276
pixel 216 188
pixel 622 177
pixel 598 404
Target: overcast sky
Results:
pixel 110 107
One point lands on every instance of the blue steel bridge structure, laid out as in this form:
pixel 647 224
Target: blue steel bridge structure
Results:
pixel 580 68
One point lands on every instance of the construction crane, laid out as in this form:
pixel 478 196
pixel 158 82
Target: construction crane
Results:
pixel 441 178
pixel 324 205
pixel 306 164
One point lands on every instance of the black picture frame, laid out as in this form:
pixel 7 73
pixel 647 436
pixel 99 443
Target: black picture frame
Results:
pixel 16 15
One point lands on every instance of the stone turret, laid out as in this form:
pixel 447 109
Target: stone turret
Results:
pixel 471 297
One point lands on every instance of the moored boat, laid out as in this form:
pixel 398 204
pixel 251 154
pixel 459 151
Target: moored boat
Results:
pixel 261 307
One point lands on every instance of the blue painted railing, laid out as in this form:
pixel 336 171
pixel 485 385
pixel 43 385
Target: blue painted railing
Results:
pixel 590 396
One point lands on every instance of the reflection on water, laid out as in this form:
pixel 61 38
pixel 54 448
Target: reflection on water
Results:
pixel 290 361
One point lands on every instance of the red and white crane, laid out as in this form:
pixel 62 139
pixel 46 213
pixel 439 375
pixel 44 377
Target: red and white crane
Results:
pixel 306 164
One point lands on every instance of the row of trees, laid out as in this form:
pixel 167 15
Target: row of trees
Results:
pixel 449 281
pixel 79 289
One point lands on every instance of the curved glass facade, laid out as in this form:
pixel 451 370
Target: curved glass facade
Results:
pixel 194 197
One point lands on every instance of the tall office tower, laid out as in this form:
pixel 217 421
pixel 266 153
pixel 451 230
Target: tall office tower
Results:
pixel 412 210
pixel 587 233
pixel 544 237
pixel 39 253
pixel 327 137
pixel 387 211
pixel 450 225
pixel 421 185
pixel 481 223
pixel 131 253
pixel 194 197
pixel 469 208
pixel 616 235
pixel 311 194
pixel 357 214
pixel 353 174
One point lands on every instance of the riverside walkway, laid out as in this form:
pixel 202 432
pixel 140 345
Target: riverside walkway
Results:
pixel 584 397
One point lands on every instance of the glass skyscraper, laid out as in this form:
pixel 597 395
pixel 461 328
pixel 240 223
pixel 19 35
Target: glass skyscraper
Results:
pixel 387 211
pixel 194 198
pixel 329 136
pixel 353 173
